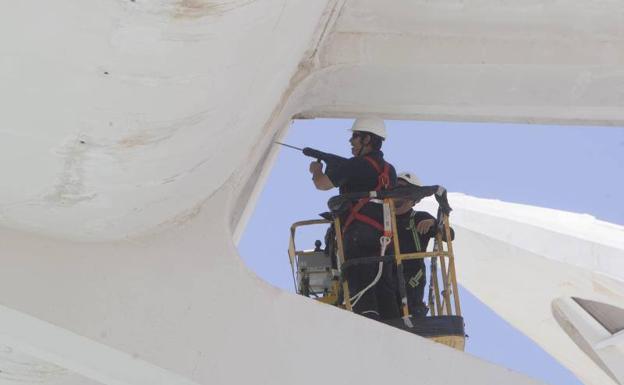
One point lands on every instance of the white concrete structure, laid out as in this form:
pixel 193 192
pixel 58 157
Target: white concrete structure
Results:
pixel 135 135
pixel 527 262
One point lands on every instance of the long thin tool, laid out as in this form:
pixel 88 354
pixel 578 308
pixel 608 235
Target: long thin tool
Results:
pixel 288 145
pixel 330 160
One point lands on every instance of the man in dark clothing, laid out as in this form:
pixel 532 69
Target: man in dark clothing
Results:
pixel 415 229
pixel 363 224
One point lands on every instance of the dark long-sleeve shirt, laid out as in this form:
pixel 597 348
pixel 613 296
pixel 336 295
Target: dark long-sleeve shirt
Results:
pixel 358 175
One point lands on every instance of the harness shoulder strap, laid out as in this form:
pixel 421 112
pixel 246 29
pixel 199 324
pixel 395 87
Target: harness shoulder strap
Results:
pixel 412 226
pixel 383 173
pixel 373 163
pixel 383 182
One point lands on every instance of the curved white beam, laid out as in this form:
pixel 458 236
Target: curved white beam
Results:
pixel 518 259
pixel 183 302
pixel 77 354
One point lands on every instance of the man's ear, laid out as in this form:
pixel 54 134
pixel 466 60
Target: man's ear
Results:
pixel 366 139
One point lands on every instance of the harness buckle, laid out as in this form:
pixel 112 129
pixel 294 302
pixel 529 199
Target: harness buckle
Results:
pixel 384 240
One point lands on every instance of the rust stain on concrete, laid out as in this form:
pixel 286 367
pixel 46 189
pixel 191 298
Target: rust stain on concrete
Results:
pixel 21 368
pixel 143 138
pixel 160 131
pixel 195 9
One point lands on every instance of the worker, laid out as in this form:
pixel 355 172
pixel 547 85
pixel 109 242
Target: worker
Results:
pixel 415 229
pixel 371 285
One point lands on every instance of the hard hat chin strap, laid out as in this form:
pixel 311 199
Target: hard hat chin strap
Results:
pixel 360 153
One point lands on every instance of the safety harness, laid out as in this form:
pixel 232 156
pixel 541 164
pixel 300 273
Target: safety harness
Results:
pixel 415 236
pixel 383 182
pixel 414 280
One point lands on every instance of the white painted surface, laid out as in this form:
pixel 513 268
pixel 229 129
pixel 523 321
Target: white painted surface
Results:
pixel 183 302
pixel 518 259
pixel 125 115
pixel 169 97
pixel 527 61
pixel 606 350
pixel 146 129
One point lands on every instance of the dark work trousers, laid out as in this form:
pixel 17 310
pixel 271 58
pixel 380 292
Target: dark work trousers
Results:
pixel 379 302
pixel 414 272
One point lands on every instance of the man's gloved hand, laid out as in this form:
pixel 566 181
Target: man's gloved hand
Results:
pixel 423 226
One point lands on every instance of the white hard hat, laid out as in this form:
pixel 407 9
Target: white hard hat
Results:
pixel 373 125
pixel 410 178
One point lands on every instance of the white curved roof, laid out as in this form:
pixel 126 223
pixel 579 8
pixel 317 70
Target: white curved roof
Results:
pixel 125 116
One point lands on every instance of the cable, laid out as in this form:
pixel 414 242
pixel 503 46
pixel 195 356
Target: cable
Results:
pixel 354 300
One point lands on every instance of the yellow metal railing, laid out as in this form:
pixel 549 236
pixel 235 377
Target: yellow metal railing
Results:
pixel 444 294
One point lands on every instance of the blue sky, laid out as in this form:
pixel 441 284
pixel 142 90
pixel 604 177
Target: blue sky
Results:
pixel 578 169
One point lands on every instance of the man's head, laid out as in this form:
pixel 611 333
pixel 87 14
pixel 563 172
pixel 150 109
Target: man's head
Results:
pixel 368 135
pixel 406 179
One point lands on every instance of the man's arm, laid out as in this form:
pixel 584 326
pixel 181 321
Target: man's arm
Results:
pixel 427 224
pixel 321 181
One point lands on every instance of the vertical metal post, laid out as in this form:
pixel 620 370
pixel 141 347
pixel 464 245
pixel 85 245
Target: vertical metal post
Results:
pixel 453 276
pixel 434 273
pixel 292 251
pixel 446 296
pixel 340 261
pixel 399 261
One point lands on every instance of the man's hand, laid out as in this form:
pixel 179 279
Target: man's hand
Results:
pixel 316 167
pixel 321 181
pixel 423 226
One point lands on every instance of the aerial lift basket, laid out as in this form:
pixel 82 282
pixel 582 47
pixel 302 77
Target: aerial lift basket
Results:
pixel 317 273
